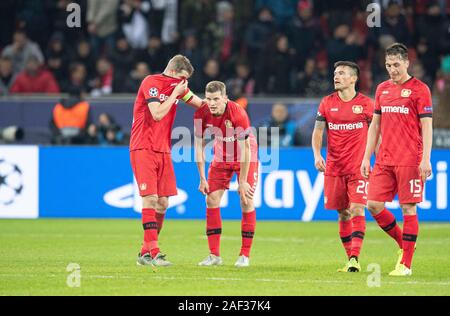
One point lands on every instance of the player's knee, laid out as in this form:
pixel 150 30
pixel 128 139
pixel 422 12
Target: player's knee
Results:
pixel 357 211
pixel 344 215
pixel 163 204
pixel 374 207
pixel 409 209
pixel 149 201
pixel 247 207
pixel 212 201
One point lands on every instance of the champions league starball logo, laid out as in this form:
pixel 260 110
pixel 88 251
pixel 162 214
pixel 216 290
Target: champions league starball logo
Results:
pixel 11 185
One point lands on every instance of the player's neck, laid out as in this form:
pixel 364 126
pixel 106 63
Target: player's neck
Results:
pixel 347 94
pixel 403 79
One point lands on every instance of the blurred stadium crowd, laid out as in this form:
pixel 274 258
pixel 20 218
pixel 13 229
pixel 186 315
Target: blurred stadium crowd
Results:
pixel 258 47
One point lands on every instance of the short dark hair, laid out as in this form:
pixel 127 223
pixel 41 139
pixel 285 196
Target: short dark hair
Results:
pixel 397 49
pixel 352 65
pixel 215 86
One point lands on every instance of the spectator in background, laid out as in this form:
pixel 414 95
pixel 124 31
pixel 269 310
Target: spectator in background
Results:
pixel 21 50
pixel 133 80
pixel 191 50
pixel 196 14
pixel 32 16
pixel 343 46
pixel 242 84
pixel 102 24
pixel 7 76
pixel 259 31
pixel 418 71
pixel 283 10
pixel 314 80
pixel 304 33
pixel 85 56
pixel 277 64
pixel 34 79
pixel 108 131
pixel 122 57
pixel 223 36
pixel 394 23
pixel 286 128
pixel 154 55
pixel 57 57
pixel 210 72
pixel 77 78
pixel 102 83
pixel 133 18
pixel 70 119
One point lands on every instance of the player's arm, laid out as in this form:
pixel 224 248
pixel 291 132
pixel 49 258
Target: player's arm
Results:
pixel 160 110
pixel 244 187
pixel 192 99
pixel 199 145
pixel 316 142
pixel 373 137
pixel 427 139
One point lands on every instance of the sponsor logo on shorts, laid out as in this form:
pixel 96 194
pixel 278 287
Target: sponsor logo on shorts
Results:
pixel 357 109
pixel 143 186
pixel 385 92
pixel 334 109
pixel 405 93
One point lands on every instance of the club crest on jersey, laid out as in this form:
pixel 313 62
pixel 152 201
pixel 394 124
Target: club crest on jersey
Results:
pixel 357 109
pixel 143 186
pixel 153 92
pixel 405 93
pixel 228 124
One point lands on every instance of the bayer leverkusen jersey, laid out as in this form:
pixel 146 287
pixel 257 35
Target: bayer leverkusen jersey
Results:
pixel 401 107
pixel 231 126
pixel 146 133
pixel 347 125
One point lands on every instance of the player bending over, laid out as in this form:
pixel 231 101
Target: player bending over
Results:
pixel 346 114
pixel 235 151
pixel 153 116
pixel 403 117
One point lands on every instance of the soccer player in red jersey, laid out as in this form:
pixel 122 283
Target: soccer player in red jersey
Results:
pixel 346 114
pixel 403 117
pixel 235 151
pixel 153 116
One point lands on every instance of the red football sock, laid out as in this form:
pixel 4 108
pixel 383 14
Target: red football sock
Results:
pixel 358 232
pixel 213 230
pixel 248 231
pixel 410 232
pixel 150 231
pixel 160 220
pixel 345 232
pixel 387 222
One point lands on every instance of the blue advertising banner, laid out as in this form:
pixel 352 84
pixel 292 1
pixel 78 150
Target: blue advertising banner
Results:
pixel 94 182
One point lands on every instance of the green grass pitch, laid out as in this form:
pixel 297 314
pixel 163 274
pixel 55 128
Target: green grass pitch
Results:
pixel 288 258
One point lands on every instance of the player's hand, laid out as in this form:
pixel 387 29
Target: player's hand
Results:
pixel 243 191
pixel 203 187
pixel 319 162
pixel 180 88
pixel 425 169
pixel 365 168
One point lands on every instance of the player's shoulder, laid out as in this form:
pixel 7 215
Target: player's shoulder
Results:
pixel 419 85
pixel 202 111
pixel 364 98
pixel 235 109
pixel 332 97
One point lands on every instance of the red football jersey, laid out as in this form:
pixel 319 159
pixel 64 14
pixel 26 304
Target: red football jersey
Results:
pixel 347 126
pixel 231 126
pixel 401 107
pixel 146 133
